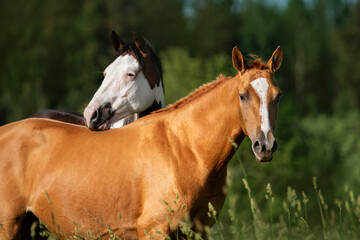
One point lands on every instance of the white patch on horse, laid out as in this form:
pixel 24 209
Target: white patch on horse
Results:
pixel 261 87
pixel 124 121
pixel 143 91
pixel 116 85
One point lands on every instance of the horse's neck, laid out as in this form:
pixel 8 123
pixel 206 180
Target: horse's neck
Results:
pixel 205 124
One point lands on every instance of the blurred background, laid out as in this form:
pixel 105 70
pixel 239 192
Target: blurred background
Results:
pixel 53 54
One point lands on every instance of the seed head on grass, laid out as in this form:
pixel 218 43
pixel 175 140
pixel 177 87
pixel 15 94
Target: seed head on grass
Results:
pixel 305 199
pixel 268 195
pixel 291 196
pixel 320 208
pixel 314 183
pixel 212 212
pixel 233 143
pixel 270 198
pixel 352 198
pixel 246 185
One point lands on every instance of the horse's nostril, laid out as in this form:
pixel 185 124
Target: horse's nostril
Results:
pixel 256 146
pixel 95 117
pixel 275 147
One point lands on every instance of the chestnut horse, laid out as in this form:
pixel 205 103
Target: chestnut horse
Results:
pixel 72 178
pixel 132 88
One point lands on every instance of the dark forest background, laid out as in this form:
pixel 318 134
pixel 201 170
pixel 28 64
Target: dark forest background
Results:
pixel 53 54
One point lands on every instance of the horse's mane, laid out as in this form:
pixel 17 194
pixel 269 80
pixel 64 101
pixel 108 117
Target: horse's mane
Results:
pixel 200 91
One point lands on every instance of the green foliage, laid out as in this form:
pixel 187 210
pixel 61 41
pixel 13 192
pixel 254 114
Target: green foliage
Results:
pixel 183 73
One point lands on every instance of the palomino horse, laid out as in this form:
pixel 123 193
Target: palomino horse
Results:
pixel 72 178
pixel 132 88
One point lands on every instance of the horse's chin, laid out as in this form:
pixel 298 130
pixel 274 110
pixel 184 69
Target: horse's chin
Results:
pixel 263 159
pixel 105 126
pixel 102 127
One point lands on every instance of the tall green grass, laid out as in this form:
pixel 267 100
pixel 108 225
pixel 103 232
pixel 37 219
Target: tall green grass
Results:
pixel 339 219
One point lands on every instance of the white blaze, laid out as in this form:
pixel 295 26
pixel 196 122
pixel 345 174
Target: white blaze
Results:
pixel 261 87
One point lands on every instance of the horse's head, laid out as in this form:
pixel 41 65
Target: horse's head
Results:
pixel 259 97
pixel 132 83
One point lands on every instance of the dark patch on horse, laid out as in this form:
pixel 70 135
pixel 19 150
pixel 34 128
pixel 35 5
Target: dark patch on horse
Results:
pixel 154 107
pixel 61 115
pixel 153 71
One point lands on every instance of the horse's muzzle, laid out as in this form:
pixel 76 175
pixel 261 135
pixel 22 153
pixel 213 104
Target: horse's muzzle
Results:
pixel 99 118
pixel 264 150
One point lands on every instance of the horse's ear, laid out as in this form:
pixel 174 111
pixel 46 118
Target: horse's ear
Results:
pixel 238 60
pixel 140 43
pixel 116 41
pixel 275 61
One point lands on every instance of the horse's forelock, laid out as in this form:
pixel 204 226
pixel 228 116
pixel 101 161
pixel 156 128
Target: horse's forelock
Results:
pixel 256 62
pixel 131 48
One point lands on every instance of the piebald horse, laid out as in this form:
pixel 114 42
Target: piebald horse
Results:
pixel 132 88
pixel 72 178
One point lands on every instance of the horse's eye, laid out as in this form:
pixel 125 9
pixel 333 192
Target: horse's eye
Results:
pixel 131 74
pixel 277 99
pixel 242 97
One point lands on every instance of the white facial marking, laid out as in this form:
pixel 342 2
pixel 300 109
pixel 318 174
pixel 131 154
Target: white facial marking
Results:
pixel 117 86
pixel 261 87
